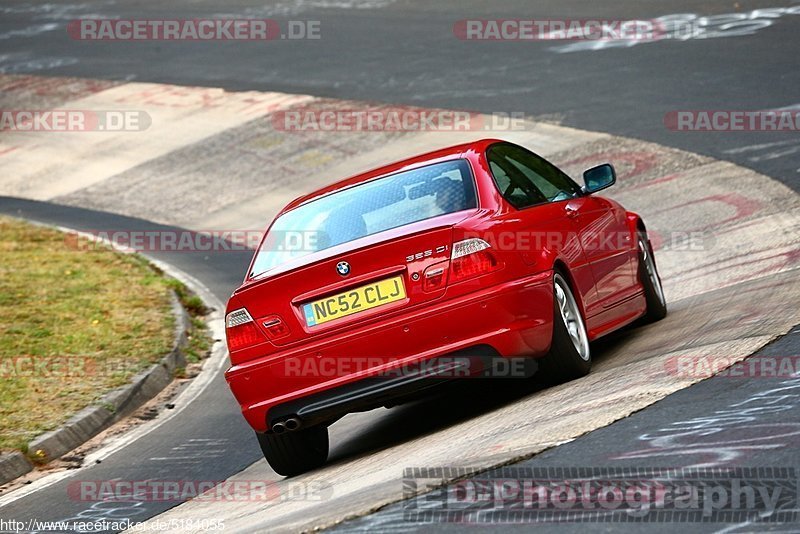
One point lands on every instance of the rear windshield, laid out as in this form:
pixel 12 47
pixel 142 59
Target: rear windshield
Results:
pixel 366 209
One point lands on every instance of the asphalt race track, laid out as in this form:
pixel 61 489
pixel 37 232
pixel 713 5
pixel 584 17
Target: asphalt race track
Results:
pixel 670 433
pixel 405 52
pixel 214 159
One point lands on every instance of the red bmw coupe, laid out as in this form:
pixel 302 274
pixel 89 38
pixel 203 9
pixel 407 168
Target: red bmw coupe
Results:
pixel 450 264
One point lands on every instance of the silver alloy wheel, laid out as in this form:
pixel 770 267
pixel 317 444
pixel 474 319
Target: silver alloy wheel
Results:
pixel 652 274
pixel 571 316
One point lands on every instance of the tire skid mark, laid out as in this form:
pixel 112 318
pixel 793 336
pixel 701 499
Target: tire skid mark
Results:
pixel 743 206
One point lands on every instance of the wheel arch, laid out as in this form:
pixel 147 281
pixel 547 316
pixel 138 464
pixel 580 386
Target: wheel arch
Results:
pixel 635 223
pixel 560 267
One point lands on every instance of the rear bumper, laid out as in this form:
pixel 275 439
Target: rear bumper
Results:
pixel 366 365
pixel 392 388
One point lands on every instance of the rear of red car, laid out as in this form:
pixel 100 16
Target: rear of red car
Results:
pixel 376 296
pixel 373 291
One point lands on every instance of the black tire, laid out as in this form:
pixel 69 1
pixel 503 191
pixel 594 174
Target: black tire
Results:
pixel 653 294
pixel 564 362
pixel 293 453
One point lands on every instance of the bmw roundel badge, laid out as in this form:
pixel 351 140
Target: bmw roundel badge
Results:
pixel 343 268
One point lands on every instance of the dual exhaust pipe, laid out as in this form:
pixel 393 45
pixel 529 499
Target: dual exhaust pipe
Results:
pixel 288 425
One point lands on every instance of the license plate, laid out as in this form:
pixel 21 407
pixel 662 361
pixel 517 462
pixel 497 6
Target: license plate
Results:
pixel 354 301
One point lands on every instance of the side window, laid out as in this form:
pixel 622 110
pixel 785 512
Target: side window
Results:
pixel 525 179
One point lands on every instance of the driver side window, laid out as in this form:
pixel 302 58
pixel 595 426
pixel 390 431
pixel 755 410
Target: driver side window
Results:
pixel 525 179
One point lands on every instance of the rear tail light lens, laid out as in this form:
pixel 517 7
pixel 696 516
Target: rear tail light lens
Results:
pixel 237 318
pixel 241 331
pixel 471 258
pixel 468 246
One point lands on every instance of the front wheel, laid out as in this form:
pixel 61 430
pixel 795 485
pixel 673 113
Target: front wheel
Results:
pixel 651 282
pixel 569 357
pixel 293 453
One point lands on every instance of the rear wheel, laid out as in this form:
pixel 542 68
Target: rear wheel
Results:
pixel 651 282
pixel 293 453
pixel 569 356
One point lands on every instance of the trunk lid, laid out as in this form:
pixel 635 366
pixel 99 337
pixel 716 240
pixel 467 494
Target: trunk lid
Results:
pixel 387 275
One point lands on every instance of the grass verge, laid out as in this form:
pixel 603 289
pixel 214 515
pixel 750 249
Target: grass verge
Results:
pixel 76 324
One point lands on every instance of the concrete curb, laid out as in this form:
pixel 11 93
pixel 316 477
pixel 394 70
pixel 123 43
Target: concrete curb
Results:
pixel 107 410
pixel 13 465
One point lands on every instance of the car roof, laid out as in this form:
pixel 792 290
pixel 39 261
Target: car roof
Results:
pixel 437 156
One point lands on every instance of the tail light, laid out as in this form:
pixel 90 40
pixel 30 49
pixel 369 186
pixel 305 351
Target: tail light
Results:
pixel 241 331
pixel 471 258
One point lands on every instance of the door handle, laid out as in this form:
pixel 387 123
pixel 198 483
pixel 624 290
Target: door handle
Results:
pixel 571 212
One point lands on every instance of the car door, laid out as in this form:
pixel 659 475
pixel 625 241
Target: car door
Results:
pixel 599 223
pixel 607 244
pixel 541 195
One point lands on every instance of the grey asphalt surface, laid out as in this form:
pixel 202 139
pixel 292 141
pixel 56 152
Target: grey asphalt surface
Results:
pixel 405 52
pixel 209 420
pixel 725 422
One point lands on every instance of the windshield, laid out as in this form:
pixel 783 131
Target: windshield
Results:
pixel 366 209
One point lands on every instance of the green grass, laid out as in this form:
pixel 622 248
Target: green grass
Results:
pixel 199 341
pixel 89 318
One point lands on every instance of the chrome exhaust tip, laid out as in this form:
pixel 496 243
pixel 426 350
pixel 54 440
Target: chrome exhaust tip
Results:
pixel 292 423
pixel 278 428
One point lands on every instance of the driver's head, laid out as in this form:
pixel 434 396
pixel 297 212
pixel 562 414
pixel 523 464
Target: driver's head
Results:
pixel 449 195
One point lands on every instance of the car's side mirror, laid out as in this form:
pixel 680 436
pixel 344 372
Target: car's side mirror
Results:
pixel 599 178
